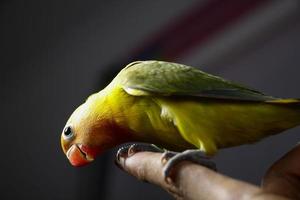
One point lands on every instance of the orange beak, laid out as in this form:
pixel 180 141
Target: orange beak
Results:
pixel 80 155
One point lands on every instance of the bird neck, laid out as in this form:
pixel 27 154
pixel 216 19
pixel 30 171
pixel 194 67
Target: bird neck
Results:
pixel 108 119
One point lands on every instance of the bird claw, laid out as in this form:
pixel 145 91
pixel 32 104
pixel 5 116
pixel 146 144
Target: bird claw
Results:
pixel 129 150
pixel 171 159
pixel 166 156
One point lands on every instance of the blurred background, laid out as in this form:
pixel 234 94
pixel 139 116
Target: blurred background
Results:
pixel 54 53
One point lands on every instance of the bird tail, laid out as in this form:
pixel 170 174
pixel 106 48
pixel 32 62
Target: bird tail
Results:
pixel 293 105
pixel 289 101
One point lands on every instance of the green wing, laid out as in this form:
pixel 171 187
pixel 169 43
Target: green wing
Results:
pixel 165 78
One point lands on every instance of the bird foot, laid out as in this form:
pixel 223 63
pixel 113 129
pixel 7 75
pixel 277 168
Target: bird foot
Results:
pixel 171 159
pixel 130 149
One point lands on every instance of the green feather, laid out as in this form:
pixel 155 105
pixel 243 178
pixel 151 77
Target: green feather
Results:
pixel 165 78
pixel 213 113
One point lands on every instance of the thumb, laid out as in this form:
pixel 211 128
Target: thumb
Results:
pixel 283 177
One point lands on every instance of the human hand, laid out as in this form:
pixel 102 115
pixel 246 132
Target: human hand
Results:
pixel 191 181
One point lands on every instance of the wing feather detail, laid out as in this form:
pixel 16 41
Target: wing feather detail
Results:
pixel 146 78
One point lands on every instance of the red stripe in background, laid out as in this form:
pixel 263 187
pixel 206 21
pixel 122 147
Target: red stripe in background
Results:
pixel 199 25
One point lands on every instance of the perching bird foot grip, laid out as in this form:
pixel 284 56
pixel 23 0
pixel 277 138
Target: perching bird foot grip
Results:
pixel 169 159
pixel 130 149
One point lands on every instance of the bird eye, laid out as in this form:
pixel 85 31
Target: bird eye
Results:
pixel 68 133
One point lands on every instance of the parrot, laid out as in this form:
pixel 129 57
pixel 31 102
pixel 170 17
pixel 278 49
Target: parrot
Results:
pixel 177 108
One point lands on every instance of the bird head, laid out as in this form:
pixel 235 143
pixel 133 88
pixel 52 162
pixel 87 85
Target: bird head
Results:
pixel 90 131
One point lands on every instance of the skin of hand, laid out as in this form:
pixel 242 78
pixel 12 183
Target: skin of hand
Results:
pixel 191 181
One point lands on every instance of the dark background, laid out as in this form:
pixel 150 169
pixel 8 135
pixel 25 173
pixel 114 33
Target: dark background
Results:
pixel 54 53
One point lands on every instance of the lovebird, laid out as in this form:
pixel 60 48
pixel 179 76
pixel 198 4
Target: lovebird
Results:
pixel 177 108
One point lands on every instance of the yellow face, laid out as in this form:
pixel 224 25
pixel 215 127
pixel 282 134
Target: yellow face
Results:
pixel 89 131
pixel 80 139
